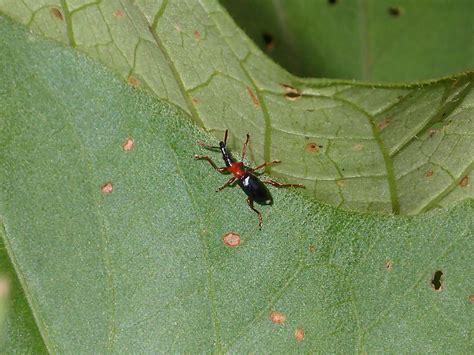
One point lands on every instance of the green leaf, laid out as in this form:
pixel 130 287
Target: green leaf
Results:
pixel 371 40
pixel 18 330
pixel 143 268
pixel 385 148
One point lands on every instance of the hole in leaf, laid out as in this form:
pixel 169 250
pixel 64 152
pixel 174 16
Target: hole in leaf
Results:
pixel 332 2
pixel 395 11
pixel 292 93
pixel 268 40
pixel 437 280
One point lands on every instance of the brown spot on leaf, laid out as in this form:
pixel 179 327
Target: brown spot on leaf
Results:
pixel 312 147
pixel 55 12
pixel 128 145
pixel 253 97
pixel 299 334
pixel 118 14
pixel 231 239
pixel 312 248
pixel 471 298
pixel 107 187
pixel 429 173
pixel 388 265
pixel 432 132
pixel 195 100
pixel 384 124
pixel 197 35
pixel 133 81
pixel 277 317
pixel 464 181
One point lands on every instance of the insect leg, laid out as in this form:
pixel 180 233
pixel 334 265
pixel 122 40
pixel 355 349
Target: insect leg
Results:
pixel 229 182
pixel 278 184
pixel 260 219
pixel 244 147
pixel 207 146
pixel 273 162
pixel 205 157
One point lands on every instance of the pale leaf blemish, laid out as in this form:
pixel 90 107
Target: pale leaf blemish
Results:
pixel 128 145
pixel 341 183
pixel 299 334
pixel 231 239
pixel 388 265
pixel 118 14
pixel 253 97
pixel 277 317
pixel 4 286
pixel 358 147
pixel 464 181
pixel 107 187
pixel 56 13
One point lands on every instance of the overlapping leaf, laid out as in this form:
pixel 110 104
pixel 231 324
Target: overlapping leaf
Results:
pixel 402 149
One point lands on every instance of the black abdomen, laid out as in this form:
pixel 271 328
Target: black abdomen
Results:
pixel 256 189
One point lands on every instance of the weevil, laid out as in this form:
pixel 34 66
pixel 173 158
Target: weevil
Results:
pixel 253 187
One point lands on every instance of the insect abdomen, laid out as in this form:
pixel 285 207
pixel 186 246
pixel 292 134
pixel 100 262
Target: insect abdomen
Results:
pixel 254 188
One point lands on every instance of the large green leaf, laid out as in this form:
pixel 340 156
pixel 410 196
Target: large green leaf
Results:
pixel 376 40
pixel 144 267
pixel 402 149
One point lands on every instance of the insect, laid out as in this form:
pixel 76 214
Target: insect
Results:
pixel 253 187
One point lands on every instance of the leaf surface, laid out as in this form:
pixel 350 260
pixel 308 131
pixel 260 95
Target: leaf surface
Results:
pixel 122 250
pixel 400 149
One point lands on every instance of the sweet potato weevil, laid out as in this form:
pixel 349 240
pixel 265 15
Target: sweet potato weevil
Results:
pixel 253 187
